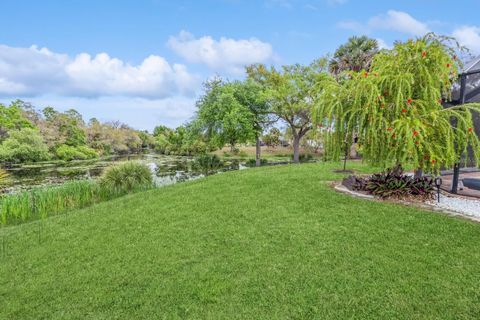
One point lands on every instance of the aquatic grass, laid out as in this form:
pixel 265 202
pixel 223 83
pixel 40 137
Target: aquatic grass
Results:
pixel 54 200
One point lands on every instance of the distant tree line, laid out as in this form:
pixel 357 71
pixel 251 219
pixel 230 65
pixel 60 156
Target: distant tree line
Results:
pixel 29 135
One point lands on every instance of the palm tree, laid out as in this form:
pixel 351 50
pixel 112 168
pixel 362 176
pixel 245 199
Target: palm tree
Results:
pixel 357 54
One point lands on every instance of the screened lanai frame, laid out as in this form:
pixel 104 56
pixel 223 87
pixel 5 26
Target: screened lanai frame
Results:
pixel 466 90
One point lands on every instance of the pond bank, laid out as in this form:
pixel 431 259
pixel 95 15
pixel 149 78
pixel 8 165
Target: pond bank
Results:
pixel 165 170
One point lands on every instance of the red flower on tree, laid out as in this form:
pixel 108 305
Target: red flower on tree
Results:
pixel 424 54
pixel 434 161
pixel 409 101
pixel 470 130
pixel 448 65
pixel 415 133
pixel 404 110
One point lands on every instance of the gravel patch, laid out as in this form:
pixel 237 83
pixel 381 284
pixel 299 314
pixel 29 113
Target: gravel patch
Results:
pixel 455 206
pixel 469 207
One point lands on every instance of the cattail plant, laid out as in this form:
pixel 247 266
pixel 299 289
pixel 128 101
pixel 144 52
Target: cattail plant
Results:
pixel 49 201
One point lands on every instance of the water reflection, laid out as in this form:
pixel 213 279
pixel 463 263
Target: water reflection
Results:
pixel 165 170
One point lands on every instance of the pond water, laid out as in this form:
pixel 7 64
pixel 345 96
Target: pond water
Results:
pixel 165 170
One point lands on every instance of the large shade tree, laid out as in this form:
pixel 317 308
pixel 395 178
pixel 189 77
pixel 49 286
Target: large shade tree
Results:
pixel 224 119
pixel 291 93
pixel 251 95
pixel 24 145
pixel 396 109
pixel 12 117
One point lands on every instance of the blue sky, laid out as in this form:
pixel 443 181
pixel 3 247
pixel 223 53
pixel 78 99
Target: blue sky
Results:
pixel 142 62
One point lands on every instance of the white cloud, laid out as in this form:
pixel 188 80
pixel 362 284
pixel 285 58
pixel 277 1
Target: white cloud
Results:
pixel 393 20
pixel 468 36
pixel 225 54
pixel 33 71
pixel 399 21
pixel 382 44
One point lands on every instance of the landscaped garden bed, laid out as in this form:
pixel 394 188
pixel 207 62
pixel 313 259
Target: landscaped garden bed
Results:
pixel 393 183
pixel 396 186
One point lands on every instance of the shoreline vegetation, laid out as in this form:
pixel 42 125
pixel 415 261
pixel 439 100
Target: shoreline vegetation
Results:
pixel 49 200
pixel 44 202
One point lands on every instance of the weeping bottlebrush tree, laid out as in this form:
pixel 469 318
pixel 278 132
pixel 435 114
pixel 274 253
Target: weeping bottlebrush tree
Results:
pixel 395 110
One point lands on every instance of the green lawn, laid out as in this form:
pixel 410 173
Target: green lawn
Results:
pixel 268 243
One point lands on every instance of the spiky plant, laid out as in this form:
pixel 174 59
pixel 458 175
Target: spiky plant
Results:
pixel 127 176
pixel 396 111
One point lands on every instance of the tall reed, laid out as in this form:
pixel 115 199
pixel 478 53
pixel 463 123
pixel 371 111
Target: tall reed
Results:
pixel 49 201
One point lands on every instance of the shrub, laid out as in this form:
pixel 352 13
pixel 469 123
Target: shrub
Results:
pixel 253 162
pixel 88 152
pixel 272 138
pixel 24 145
pixel 69 153
pixel 304 157
pixel 392 183
pixel 127 176
pixel 208 163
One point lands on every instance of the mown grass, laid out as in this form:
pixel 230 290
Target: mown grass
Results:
pixel 267 243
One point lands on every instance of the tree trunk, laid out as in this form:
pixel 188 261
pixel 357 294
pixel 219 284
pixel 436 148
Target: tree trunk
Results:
pixel 345 157
pixel 257 151
pixel 456 176
pixel 232 147
pixel 296 148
